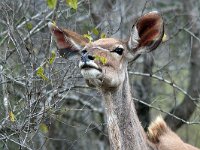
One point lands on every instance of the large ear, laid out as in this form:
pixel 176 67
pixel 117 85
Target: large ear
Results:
pixel 146 34
pixel 68 42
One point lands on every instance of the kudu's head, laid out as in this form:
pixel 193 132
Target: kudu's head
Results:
pixel 103 63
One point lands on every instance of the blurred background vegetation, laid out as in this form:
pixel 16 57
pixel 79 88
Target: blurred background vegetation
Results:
pixel 44 101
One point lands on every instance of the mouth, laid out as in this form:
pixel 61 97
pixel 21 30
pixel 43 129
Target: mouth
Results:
pixel 90 70
pixel 88 66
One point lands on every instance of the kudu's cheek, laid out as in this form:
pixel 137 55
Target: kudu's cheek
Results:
pixel 109 78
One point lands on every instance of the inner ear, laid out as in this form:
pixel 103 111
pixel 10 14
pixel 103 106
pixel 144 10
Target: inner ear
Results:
pixel 61 39
pixel 69 43
pixel 146 34
pixel 150 30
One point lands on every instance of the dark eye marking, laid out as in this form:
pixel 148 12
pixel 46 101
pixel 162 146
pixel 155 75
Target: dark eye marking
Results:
pixel 118 50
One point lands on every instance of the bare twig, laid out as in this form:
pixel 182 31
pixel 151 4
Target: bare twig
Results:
pixel 165 81
pixel 5 92
pixel 161 110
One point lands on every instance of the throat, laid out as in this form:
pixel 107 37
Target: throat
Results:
pixel 124 128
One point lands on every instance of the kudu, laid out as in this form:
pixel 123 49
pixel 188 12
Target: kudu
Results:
pixel 111 77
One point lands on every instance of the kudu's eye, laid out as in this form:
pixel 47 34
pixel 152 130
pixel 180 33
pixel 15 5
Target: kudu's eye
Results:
pixel 118 50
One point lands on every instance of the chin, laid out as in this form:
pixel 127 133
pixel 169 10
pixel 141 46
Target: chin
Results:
pixel 91 73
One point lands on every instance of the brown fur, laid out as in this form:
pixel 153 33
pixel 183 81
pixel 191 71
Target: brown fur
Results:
pixel 164 138
pixel 157 129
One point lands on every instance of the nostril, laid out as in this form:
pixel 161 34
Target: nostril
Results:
pixel 90 57
pixel 84 51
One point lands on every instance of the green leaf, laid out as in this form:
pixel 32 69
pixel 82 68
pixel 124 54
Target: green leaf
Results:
pixel 103 35
pixel 102 59
pixel 12 116
pixel 95 31
pixel 165 38
pixel 29 25
pixel 43 128
pixel 54 23
pixel 52 58
pixel 40 73
pixel 72 3
pixel 51 3
pixel 88 36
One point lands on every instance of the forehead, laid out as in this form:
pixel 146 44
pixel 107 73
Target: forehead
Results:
pixel 107 43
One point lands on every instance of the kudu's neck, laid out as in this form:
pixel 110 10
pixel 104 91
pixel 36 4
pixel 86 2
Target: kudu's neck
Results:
pixel 124 128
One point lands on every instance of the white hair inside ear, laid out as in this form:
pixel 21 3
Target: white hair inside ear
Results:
pixel 134 38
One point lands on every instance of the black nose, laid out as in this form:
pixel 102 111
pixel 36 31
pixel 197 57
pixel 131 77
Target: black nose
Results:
pixel 84 52
pixel 90 57
pixel 85 57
